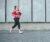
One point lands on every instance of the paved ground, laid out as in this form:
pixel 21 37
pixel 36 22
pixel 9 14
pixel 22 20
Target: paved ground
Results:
pixel 27 36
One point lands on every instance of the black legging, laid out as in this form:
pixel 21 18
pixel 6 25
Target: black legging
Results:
pixel 16 23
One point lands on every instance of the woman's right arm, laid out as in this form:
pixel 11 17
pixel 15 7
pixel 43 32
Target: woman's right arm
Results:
pixel 13 14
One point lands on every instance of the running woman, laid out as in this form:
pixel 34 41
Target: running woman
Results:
pixel 16 14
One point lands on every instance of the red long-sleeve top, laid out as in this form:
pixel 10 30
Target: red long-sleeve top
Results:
pixel 13 13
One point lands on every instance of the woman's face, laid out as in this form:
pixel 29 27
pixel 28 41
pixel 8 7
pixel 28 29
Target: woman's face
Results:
pixel 16 8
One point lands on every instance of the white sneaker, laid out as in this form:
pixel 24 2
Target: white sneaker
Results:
pixel 20 32
pixel 11 29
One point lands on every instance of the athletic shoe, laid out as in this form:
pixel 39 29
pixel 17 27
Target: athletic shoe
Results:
pixel 20 32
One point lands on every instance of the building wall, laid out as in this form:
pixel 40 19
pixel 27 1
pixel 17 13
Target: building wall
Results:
pixel 38 10
pixel 2 10
pixel 32 10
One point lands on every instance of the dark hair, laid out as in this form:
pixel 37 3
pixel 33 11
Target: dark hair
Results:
pixel 15 7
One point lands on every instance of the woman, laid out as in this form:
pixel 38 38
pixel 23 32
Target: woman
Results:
pixel 16 14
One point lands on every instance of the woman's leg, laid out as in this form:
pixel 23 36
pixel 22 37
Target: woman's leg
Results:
pixel 15 24
pixel 19 27
pixel 18 24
